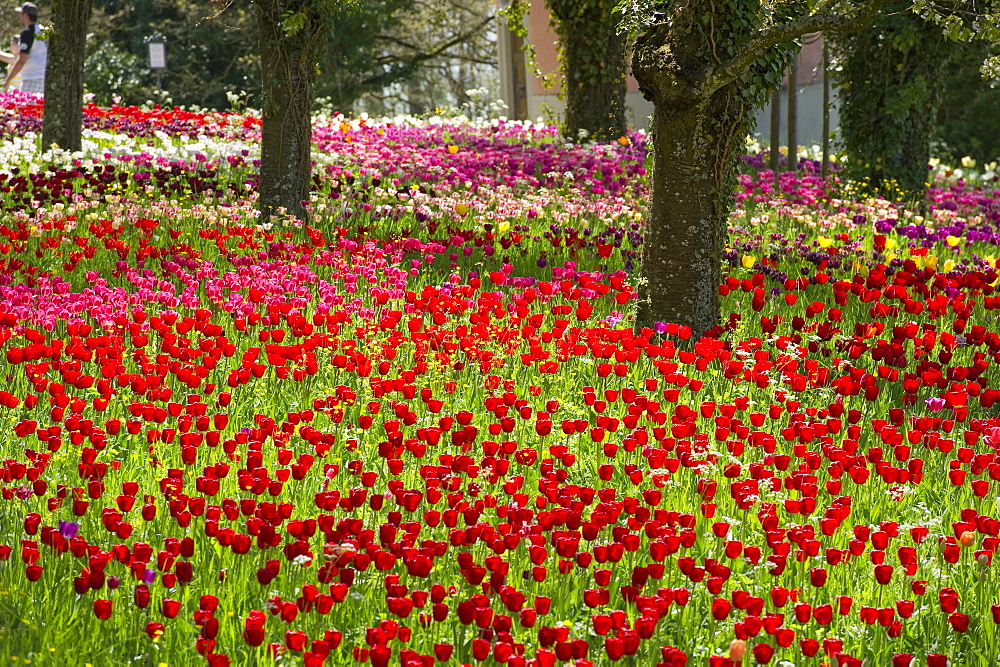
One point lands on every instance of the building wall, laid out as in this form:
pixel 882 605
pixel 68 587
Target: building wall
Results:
pixel 542 92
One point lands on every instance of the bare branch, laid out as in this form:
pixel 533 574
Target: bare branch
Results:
pixel 440 49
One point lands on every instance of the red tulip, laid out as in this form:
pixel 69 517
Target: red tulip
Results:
pixel 784 637
pixel 948 600
pixel 253 635
pixel 102 609
pixel 218 660
pixel 295 640
pixel 720 608
pixel 762 653
pixel 868 614
pixel 141 596
pixel 170 608
pixel 480 649
pixel 823 614
pixel 614 647
pixel 185 571
pixel 959 622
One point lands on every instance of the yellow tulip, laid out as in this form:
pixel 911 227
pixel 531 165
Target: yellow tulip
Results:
pixel 949 265
pixel 931 261
pixel 452 149
pixel 461 209
pixel 748 261
pixel 952 241
pixel 890 244
pixel 824 242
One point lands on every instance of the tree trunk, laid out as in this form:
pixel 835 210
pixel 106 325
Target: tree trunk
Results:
pixel 700 134
pixel 63 122
pixel 593 64
pixel 686 228
pixel 288 69
pixel 705 69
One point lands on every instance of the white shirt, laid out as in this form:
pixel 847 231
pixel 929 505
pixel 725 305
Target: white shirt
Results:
pixel 37 50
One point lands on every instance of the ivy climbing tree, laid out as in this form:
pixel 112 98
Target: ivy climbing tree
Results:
pixel 593 63
pixel 707 65
pixel 891 80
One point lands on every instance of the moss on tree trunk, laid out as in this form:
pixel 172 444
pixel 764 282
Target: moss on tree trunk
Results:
pixel 63 122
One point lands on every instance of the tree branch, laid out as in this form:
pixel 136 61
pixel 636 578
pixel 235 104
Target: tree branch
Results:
pixel 756 48
pixel 439 49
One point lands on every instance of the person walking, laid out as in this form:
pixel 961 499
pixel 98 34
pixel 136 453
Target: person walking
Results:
pixel 29 58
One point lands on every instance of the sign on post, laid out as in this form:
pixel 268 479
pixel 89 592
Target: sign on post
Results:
pixel 157 55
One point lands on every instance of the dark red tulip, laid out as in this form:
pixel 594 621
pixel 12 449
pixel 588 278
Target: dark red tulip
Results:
pixel 102 609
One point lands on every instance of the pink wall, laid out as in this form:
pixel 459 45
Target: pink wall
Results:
pixel 540 34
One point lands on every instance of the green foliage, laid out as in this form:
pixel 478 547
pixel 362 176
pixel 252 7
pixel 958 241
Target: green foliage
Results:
pixel 109 72
pixel 293 22
pixel 206 57
pixel 213 53
pixel 407 55
pixel 350 60
pixel 968 123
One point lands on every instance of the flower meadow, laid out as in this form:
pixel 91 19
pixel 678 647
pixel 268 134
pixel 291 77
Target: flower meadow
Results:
pixel 420 428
